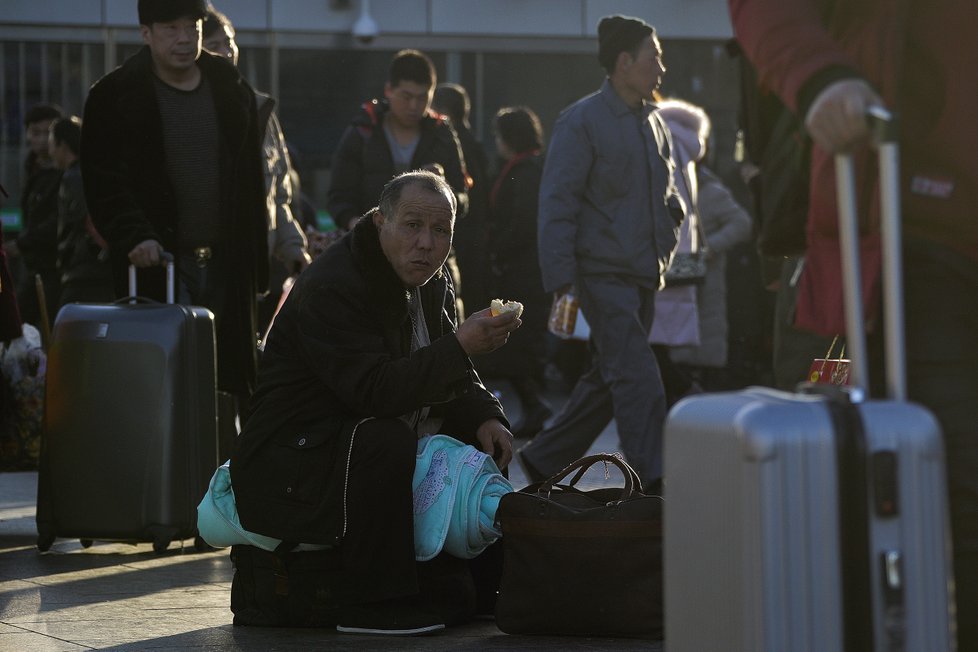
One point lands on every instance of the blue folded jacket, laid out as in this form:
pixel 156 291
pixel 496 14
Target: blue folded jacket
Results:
pixel 456 493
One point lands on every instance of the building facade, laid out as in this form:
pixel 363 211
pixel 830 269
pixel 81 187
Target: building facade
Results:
pixel 539 53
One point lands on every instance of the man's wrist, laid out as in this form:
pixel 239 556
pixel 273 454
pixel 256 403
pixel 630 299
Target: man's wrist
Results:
pixel 818 82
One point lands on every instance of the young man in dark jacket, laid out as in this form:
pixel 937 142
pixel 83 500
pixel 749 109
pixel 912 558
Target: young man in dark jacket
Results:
pixel 363 359
pixel 171 161
pixel 82 257
pixel 37 244
pixel 394 135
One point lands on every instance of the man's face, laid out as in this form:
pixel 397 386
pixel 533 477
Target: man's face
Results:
pixel 37 137
pixel 174 45
pixel 222 44
pixel 643 73
pixel 416 240
pixel 409 102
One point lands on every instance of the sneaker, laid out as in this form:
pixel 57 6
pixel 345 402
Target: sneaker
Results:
pixel 388 618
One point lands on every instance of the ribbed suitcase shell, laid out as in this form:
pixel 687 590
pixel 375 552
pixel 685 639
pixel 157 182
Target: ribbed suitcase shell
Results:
pixel 752 525
pixel 130 436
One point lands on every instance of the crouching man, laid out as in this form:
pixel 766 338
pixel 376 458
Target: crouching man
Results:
pixel 363 359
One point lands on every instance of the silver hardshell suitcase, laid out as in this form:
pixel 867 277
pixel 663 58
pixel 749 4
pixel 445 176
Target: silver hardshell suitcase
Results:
pixel 814 521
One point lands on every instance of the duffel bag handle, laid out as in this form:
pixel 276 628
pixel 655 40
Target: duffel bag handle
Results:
pixel 633 484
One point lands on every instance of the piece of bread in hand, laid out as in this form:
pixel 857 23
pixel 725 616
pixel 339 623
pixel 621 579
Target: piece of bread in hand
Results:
pixel 498 306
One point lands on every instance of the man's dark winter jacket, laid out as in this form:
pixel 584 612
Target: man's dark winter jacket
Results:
pixel 362 163
pixel 340 352
pixel 78 252
pixel 38 239
pixel 131 199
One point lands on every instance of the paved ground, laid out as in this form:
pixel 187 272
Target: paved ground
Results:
pixel 125 597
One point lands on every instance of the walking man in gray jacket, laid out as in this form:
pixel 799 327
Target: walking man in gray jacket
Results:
pixel 608 223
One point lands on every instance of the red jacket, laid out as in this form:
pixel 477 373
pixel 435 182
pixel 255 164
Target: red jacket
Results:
pixel 922 57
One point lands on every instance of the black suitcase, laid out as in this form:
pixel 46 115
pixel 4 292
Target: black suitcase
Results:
pixel 130 437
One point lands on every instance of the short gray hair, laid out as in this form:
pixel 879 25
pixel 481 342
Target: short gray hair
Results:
pixel 390 196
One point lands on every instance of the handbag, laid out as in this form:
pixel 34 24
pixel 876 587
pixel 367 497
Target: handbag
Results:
pixel 686 268
pixel 688 263
pixel 585 563
pixel 829 370
pixel 677 317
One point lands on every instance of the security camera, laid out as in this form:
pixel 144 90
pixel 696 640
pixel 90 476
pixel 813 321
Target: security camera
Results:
pixel 365 29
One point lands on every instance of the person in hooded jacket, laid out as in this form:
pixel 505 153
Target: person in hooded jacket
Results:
pixel 722 224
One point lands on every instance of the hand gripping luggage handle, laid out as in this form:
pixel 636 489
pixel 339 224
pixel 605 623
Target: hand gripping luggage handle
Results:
pixel 883 126
pixel 632 482
pixel 170 280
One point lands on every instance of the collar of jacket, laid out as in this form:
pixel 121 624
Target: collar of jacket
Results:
pixel 617 105
pixel 372 112
pixel 384 288
pixel 231 93
pixel 217 69
pixel 266 104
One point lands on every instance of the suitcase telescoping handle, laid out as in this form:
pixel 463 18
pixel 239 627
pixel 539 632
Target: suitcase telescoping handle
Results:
pixel 170 279
pixel 883 127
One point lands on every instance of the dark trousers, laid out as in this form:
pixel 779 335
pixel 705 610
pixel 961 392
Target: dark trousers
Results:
pixel 941 288
pixel 203 284
pixel 377 558
pixel 623 383
pixel 378 547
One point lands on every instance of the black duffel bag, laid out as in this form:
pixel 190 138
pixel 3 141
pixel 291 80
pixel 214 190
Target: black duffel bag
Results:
pixel 581 562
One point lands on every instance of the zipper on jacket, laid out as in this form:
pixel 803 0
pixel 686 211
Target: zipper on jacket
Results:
pixel 346 478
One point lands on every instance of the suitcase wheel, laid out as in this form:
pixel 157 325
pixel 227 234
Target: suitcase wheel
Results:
pixel 161 536
pixel 85 543
pixel 44 541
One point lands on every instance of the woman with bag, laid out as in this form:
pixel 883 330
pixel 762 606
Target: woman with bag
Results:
pixel 714 225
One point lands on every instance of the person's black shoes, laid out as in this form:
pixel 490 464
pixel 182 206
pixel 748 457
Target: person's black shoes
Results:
pixel 400 617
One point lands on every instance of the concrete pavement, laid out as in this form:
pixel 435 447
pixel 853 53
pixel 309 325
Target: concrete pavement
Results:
pixel 126 597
